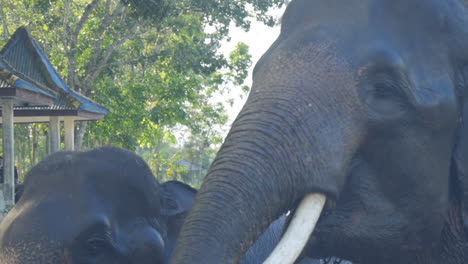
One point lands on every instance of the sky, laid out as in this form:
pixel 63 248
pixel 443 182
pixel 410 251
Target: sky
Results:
pixel 259 38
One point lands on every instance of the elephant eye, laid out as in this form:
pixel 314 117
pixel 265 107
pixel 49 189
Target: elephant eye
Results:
pixel 384 94
pixel 96 246
pixel 387 84
pixel 383 91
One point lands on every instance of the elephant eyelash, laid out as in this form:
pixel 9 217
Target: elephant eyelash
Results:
pixel 386 85
pixel 106 236
pixel 383 90
pixel 95 244
pixel 99 243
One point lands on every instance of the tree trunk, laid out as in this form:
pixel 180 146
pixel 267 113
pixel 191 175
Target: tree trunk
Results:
pixel 34 144
pixel 81 130
pixel 6 32
pixel 30 145
pixel 157 162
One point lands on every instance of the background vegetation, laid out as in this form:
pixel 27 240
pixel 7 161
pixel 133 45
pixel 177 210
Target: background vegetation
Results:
pixel 155 65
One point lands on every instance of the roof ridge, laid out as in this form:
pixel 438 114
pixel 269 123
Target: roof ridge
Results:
pixel 21 75
pixel 48 72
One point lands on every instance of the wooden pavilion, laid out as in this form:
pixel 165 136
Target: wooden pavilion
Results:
pixel 32 91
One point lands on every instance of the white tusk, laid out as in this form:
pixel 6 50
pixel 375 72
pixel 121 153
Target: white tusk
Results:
pixel 296 236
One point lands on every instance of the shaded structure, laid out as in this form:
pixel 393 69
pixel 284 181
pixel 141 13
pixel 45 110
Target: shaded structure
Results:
pixel 24 55
pixel 32 91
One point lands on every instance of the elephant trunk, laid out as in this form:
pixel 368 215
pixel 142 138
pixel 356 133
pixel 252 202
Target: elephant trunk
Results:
pixel 263 169
pixel 292 138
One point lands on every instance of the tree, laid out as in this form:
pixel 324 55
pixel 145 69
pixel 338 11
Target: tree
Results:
pixel 156 71
pixel 216 13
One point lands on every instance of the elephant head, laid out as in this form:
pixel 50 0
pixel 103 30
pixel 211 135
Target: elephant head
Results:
pixel 359 102
pixel 101 206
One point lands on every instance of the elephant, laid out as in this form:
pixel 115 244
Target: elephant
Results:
pixel 100 206
pixel 103 206
pixel 359 110
pixel 19 187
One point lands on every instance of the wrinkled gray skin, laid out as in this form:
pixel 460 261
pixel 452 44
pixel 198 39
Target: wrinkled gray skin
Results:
pixel 363 101
pixel 102 206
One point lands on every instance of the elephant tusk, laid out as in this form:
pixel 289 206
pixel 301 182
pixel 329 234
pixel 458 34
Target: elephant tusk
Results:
pixel 296 236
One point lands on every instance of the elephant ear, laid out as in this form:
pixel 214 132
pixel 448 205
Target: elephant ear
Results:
pixel 176 200
pixel 19 188
pixel 460 158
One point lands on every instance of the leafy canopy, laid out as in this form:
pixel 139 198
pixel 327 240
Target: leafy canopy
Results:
pixel 153 64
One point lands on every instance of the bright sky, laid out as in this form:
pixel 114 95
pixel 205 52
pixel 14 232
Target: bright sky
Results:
pixel 259 38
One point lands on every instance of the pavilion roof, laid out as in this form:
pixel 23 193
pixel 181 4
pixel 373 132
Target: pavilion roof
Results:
pixel 23 55
pixel 9 78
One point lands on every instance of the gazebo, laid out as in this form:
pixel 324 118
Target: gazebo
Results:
pixel 32 91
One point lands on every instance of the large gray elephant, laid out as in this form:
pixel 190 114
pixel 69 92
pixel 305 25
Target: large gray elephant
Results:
pixel 103 206
pixel 361 104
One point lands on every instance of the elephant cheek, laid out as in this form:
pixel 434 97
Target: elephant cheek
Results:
pixel 36 252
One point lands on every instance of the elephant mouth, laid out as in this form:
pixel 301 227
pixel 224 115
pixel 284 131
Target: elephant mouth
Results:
pixel 317 241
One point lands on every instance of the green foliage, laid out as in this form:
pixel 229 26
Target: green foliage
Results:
pixel 155 10
pixel 31 145
pixel 153 63
pixel 219 14
pixel 240 62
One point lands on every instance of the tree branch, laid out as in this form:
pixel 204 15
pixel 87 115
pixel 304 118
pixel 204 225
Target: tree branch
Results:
pixel 151 58
pixel 77 82
pixel 108 18
pixel 118 41
pixel 6 32
pixel 84 17
pixel 74 40
pixel 65 33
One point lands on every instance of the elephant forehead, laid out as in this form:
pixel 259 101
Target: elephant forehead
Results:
pixel 415 27
pixel 431 15
pixel 312 64
pixel 78 203
pixel 423 28
pixel 118 179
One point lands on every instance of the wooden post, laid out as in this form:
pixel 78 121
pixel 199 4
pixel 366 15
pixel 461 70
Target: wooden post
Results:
pixel 54 134
pixel 8 153
pixel 69 124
